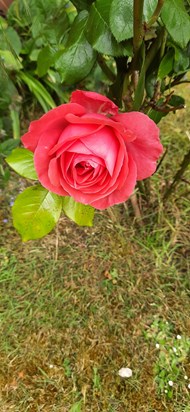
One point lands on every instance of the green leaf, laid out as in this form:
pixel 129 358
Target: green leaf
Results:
pixel 8 145
pixel 81 214
pixel 166 64
pixel 121 19
pixel 78 57
pixel 10 47
pixel 22 162
pixel 39 91
pixel 99 33
pixel 3 23
pixel 181 61
pixel 82 4
pixel 36 212
pixel 155 115
pixel 148 9
pixel 176 21
pixel 14 115
pixel 150 83
pixel 10 40
pixel 76 407
pixel 9 60
pixel 8 91
pixel 176 101
pixel 34 55
pixel 38 16
pixel 45 60
pixel 55 30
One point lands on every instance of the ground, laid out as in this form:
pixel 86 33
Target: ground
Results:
pixel 80 304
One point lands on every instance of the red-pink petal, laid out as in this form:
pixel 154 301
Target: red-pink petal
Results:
pixel 103 144
pixel 30 140
pixel 42 162
pixel 146 148
pixel 94 102
pixel 122 194
pixel 96 119
pixel 54 172
pixel 54 119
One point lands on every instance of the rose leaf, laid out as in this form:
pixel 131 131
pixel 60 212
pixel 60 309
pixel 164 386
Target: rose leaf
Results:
pixel 36 212
pixel 81 214
pixel 22 162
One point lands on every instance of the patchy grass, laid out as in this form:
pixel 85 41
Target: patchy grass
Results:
pixel 79 305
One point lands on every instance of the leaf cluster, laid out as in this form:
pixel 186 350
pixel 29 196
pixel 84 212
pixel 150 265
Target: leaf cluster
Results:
pixel 133 50
pixel 47 47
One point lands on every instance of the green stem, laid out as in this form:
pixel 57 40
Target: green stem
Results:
pixel 108 72
pixel 116 89
pixel 138 31
pixel 15 123
pixel 156 13
pixel 163 45
pixel 178 175
pixel 153 50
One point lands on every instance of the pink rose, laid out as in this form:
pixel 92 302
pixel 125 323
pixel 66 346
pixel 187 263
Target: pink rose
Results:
pixel 88 150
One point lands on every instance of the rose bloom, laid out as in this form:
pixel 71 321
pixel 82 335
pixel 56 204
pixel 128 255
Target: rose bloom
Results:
pixel 88 150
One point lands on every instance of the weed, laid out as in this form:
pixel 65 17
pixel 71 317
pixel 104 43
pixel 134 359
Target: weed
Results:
pixel 173 351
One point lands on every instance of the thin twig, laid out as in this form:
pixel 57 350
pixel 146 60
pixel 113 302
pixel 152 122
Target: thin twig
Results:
pixel 185 163
pixel 138 31
pixel 156 13
pixel 161 160
pixel 136 209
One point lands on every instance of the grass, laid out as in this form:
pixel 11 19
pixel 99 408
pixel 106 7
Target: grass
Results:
pixel 80 304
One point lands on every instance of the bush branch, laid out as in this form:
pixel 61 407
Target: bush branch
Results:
pixel 138 31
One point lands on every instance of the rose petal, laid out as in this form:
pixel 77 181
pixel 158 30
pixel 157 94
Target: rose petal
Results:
pixel 103 144
pixel 96 118
pixel 42 161
pixel 122 194
pixel 54 172
pixel 54 119
pixel 146 148
pixel 71 135
pixel 94 102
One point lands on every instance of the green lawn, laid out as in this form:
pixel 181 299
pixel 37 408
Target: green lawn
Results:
pixel 80 304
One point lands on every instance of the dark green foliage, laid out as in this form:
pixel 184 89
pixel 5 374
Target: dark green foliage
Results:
pixel 78 57
pixel 69 38
pixel 47 49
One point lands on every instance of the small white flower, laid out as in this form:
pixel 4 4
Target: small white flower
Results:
pixel 125 372
pixel 185 377
pixel 188 386
pixel 175 350
pixel 157 345
pixel 178 337
pixel 51 366
pixel 170 383
pixel 166 391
